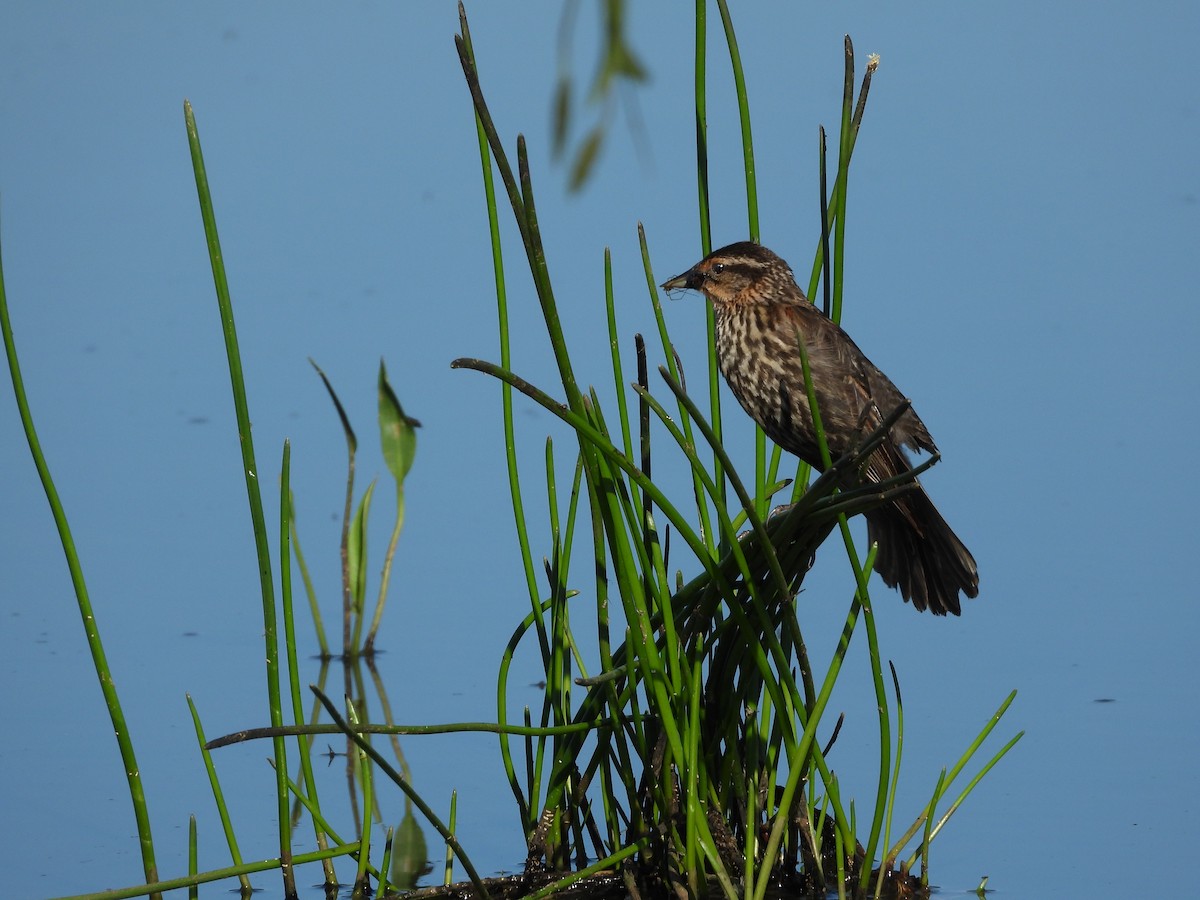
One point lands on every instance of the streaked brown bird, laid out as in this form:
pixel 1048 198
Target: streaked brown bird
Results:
pixel 760 312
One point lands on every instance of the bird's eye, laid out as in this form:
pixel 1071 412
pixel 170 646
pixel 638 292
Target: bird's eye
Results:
pixel 718 268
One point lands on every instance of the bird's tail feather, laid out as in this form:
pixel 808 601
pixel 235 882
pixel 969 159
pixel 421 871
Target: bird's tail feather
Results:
pixel 921 555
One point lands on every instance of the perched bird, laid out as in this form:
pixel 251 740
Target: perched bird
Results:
pixel 760 314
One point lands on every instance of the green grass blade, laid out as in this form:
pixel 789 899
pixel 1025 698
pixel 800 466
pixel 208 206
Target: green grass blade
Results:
pixel 286 529
pixel 368 793
pixel 309 591
pixel 485 132
pixel 826 301
pixel 888 859
pixel 218 795
pixel 845 148
pixel 703 213
pixel 356 555
pixel 86 612
pixel 987 767
pixel 452 825
pixel 193 862
pixel 250 469
pixel 614 343
pixel 739 84
pixel 157 888
pixel 385 865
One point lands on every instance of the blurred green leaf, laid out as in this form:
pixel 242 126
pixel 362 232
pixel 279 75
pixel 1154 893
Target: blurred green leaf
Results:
pixel 585 159
pixel 616 63
pixel 560 120
pixel 619 60
pixel 410 857
pixel 397 431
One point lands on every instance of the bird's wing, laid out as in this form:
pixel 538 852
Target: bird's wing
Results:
pixel 873 392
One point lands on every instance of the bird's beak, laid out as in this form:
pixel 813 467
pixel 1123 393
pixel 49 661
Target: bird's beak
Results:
pixel 691 279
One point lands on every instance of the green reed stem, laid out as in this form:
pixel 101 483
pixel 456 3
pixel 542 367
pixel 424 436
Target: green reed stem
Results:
pixel 704 218
pixel 309 591
pixel 614 343
pixel 91 628
pixel 826 300
pixel 924 848
pixel 521 198
pixel 156 889
pixel 385 865
pixel 739 83
pixel 356 554
pixel 218 795
pixel 398 443
pixel 368 793
pixel 254 496
pixel 702 509
pixel 863 598
pixel 193 861
pixel 845 147
pixel 287 519
pixel 954 772
pixel 987 767
pixel 836 211
pixel 888 860
pixel 861 601
pixel 452 825
pixel 528 816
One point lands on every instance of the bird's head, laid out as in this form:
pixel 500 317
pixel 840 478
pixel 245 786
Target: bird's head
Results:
pixel 740 274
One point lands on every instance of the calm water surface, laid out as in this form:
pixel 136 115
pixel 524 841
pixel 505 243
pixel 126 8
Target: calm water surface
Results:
pixel 1021 260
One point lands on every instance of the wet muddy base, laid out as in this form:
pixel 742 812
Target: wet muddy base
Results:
pixel 612 885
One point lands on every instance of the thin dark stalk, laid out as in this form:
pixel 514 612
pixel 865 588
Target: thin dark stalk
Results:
pixel 845 148
pixel 347 513
pixel 580 726
pixel 286 529
pixel 676 370
pixel 837 200
pixel 521 198
pixel 825 287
